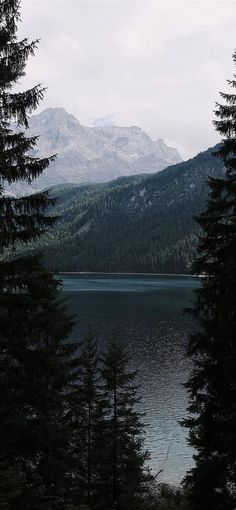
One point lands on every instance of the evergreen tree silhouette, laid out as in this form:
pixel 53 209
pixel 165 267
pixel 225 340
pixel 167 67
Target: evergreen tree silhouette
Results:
pixel 37 366
pixel 212 386
pixel 123 475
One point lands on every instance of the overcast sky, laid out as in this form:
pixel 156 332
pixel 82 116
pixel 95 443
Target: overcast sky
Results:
pixel 158 65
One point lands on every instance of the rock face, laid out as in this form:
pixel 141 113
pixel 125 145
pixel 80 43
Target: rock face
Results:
pixel 92 154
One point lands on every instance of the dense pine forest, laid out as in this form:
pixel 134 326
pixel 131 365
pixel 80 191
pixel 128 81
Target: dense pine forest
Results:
pixel 127 225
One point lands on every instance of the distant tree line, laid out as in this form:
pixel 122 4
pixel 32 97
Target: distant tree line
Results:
pixel 138 224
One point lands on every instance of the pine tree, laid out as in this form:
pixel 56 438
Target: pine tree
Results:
pixel 123 475
pixel 212 386
pixel 37 367
pixel 21 219
pixel 87 414
pixel 38 378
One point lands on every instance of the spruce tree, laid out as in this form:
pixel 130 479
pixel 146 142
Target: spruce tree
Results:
pixel 212 386
pixel 37 367
pixel 87 415
pixel 123 476
pixel 21 219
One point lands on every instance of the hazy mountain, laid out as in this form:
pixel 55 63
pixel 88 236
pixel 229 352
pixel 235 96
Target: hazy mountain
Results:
pixel 93 154
pixel 142 223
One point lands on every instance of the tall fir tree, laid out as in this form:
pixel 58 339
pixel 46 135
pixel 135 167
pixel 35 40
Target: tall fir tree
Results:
pixel 37 367
pixel 88 414
pixel 21 219
pixel 212 386
pixel 123 476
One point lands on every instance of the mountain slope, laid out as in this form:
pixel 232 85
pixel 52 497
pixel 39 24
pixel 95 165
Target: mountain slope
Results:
pixel 138 224
pixel 96 154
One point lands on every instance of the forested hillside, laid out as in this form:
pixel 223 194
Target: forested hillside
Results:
pixel 133 224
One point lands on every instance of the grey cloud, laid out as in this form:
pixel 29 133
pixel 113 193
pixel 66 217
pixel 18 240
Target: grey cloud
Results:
pixel 158 65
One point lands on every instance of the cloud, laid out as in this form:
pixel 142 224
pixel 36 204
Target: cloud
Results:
pixel 106 120
pixel 155 64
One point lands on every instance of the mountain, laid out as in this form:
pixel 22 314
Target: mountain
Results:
pixel 142 223
pixel 92 154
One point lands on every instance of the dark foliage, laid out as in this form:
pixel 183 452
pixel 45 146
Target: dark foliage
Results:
pixel 110 470
pixel 37 367
pixel 123 475
pixel 137 224
pixel 212 386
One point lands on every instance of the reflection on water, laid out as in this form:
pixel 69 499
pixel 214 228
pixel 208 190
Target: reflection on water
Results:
pixel 145 311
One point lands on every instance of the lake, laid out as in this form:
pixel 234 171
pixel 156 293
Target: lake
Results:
pixel 146 311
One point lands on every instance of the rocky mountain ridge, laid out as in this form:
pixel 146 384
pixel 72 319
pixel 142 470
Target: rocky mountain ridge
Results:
pixel 92 154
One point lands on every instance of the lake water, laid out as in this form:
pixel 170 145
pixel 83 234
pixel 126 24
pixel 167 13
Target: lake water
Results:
pixel 145 311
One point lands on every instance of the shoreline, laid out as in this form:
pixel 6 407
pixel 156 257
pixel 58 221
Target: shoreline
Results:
pixel 94 273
